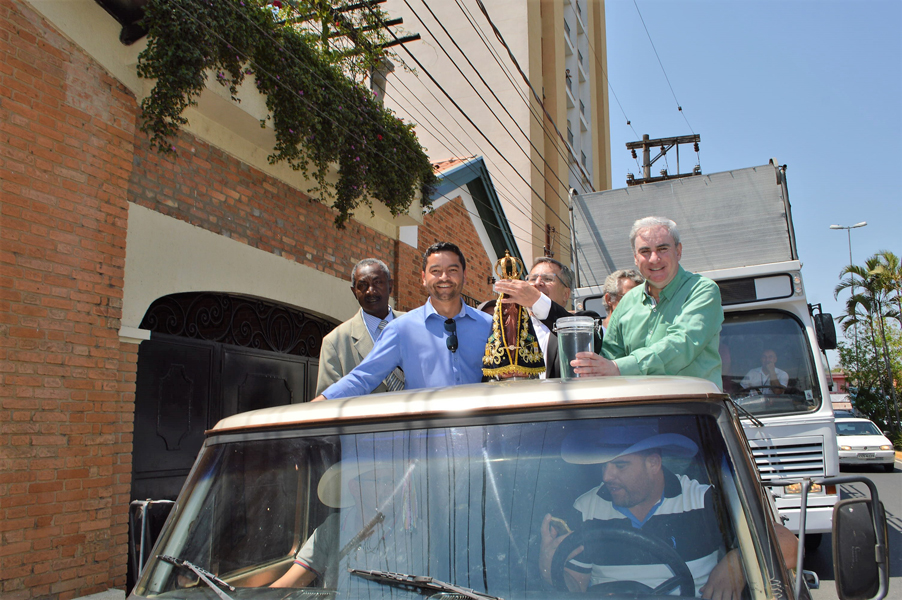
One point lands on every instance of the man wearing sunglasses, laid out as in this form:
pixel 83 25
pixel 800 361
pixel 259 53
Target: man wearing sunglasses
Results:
pixel 436 345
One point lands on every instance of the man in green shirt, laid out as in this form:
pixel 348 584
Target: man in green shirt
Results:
pixel 669 326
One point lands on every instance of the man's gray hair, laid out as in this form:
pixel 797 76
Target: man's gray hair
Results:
pixel 566 275
pixel 612 281
pixel 369 262
pixel 651 222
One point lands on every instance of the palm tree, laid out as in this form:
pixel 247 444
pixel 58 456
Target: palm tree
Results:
pixel 872 302
pixel 889 272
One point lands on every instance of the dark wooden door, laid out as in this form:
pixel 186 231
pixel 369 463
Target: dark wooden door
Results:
pixel 253 379
pixel 175 402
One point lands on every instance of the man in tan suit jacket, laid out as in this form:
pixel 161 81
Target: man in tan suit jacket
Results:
pixel 347 345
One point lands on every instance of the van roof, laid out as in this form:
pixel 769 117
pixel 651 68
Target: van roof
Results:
pixel 472 399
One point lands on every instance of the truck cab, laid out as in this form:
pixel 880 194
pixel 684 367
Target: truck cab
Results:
pixel 456 493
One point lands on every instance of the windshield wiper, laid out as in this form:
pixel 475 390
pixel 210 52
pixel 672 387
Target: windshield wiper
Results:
pixel 207 577
pixel 746 413
pixel 420 582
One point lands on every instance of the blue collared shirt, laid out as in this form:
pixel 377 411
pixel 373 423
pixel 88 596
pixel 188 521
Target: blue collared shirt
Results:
pixel 416 343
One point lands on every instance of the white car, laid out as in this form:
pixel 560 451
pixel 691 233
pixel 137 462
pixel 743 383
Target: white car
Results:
pixel 862 443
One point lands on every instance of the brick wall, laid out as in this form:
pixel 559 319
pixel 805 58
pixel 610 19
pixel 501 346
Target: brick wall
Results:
pixel 66 134
pixel 208 188
pixel 449 223
pixel 71 159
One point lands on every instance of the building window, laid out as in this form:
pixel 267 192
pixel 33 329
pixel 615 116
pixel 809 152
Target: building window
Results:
pixel 569 134
pixel 579 55
pixel 567 29
pixel 582 108
pixel 583 159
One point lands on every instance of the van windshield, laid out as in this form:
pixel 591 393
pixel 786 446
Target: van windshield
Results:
pixel 768 365
pixel 472 506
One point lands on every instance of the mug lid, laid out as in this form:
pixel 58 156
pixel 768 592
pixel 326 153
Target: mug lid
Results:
pixel 574 322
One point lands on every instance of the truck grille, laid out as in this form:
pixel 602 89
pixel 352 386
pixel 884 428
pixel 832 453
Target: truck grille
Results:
pixel 789 457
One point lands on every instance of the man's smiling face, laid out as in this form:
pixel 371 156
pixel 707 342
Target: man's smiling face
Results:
pixel 444 276
pixel 657 258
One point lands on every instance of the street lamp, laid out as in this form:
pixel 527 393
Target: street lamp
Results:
pixel 849 229
pixel 849 232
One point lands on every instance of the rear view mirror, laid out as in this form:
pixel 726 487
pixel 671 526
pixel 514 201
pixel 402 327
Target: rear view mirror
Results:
pixel 859 556
pixel 825 330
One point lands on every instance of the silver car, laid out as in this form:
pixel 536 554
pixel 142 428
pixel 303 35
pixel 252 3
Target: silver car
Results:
pixel 862 443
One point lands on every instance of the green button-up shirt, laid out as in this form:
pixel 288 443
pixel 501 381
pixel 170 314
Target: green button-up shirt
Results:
pixel 678 335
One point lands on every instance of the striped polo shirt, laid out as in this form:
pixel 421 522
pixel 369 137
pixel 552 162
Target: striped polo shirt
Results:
pixel 684 520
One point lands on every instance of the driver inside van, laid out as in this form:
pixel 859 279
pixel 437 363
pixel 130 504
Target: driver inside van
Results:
pixel 639 493
pixel 766 379
pixel 362 529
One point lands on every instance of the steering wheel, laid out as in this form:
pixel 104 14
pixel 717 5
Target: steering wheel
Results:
pixel 632 538
pixel 760 389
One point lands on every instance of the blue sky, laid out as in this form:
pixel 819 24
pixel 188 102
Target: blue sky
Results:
pixel 815 83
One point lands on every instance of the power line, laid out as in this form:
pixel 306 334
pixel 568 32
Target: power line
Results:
pixel 278 82
pixel 495 96
pixel 477 128
pixel 610 86
pixel 679 106
pixel 523 96
pixel 511 197
pixel 526 79
pixel 499 191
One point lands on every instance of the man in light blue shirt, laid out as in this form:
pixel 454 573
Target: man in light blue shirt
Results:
pixel 437 345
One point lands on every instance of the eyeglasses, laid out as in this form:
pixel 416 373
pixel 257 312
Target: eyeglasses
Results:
pixel 451 340
pixel 545 277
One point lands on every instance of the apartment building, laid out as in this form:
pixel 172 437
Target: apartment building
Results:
pixel 538 139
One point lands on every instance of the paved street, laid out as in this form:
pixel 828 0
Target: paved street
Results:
pixel 889 486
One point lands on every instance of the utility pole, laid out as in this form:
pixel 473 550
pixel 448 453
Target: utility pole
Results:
pixel 665 144
pixel 549 232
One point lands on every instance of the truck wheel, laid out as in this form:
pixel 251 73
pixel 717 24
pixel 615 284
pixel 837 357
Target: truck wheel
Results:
pixel 813 541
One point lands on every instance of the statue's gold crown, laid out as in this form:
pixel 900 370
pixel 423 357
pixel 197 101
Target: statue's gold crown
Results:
pixel 509 267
